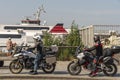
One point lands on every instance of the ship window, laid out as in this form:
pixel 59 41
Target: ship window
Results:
pixel 10 35
pixel 25 28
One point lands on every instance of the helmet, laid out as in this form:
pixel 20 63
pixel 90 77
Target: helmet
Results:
pixel 96 38
pixel 37 37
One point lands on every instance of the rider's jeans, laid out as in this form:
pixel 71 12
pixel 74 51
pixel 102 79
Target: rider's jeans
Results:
pixel 36 61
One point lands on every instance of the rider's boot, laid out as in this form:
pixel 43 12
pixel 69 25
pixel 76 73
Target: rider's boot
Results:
pixel 34 73
pixel 93 74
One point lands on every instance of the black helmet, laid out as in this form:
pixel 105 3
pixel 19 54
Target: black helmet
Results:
pixel 96 38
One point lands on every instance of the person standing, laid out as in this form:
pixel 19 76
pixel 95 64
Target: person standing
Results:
pixel 9 46
pixel 38 47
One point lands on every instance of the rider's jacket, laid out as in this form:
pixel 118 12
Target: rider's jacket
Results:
pixel 38 47
pixel 98 47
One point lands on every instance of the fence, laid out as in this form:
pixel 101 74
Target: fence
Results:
pixel 104 31
pixel 64 52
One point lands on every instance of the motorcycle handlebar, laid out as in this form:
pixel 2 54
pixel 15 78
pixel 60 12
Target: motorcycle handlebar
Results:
pixel 77 50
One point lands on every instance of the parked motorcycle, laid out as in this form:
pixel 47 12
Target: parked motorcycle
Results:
pixel 85 59
pixel 25 59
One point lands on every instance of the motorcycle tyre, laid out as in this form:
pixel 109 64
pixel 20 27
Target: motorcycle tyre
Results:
pixel 69 70
pixel 12 70
pixel 49 71
pixel 114 72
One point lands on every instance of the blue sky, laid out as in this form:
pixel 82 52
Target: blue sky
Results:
pixel 84 12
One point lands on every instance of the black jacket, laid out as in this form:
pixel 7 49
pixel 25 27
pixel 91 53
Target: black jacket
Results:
pixel 98 47
pixel 38 47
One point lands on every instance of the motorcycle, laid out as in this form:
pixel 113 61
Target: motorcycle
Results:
pixel 85 59
pixel 25 59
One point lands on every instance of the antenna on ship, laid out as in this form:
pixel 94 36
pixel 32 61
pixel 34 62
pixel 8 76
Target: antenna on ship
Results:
pixel 39 11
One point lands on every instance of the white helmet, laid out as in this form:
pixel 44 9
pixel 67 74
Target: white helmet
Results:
pixel 37 37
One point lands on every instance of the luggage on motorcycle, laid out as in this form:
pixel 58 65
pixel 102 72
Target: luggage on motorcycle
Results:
pixel 50 59
pixel 107 52
pixel 115 49
pixel 107 60
pixel 52 50
pixel 51 54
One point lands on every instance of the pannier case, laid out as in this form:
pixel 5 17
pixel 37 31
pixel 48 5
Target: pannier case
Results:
pixel 115 49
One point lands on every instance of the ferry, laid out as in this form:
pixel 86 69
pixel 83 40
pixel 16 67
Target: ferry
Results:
pixel 23 32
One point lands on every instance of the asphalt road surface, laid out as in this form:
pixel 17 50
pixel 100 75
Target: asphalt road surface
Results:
pixel 59 74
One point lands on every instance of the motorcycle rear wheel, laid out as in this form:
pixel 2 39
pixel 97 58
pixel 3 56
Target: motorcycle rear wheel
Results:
pixel 73 68
pixel 112 70
pixel 49 68
pixel 15 67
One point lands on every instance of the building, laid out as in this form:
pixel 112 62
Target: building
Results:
pixel 104 31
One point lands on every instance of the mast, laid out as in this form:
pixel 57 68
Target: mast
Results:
pixel 37 16
pixel 38 13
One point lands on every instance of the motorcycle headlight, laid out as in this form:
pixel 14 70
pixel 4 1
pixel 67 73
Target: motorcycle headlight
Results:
pixel 80 55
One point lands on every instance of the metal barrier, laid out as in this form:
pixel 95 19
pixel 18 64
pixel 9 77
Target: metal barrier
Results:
pixel 61 52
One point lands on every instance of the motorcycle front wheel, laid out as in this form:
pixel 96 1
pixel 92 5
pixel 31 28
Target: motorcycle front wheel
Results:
pixel 15 67
pixel 73 68
pixel 111 69
pixel 49 68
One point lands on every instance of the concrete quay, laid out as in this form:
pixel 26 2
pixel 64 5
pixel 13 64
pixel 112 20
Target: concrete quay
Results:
pixel 59 74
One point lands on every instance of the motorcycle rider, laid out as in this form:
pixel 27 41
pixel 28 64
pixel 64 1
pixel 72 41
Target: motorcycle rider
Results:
pixel 38 47
pixel 99 52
